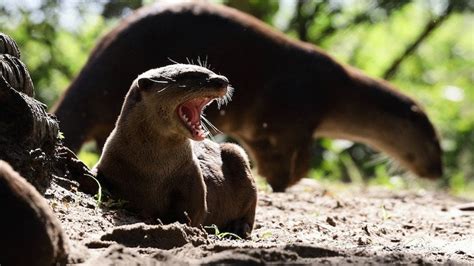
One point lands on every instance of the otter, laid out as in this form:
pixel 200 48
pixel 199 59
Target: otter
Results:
pixel 157 157
pixel 289 92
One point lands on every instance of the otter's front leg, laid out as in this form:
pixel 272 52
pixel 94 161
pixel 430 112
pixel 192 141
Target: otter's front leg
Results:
pixel 197 203
pixel 283 161
pixel 187 201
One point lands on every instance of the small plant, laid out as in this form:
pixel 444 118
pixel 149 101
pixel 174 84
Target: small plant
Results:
pixel 385 215
pixel 266 234
pixel 61 135
pixel 97 196
pixel 222 235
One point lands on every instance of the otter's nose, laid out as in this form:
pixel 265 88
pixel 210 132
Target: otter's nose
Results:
pixel 218 81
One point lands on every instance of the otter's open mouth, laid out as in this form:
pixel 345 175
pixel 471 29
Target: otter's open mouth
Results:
pixel 190 113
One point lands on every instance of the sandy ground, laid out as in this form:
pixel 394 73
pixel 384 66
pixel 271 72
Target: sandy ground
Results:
pixel 307 224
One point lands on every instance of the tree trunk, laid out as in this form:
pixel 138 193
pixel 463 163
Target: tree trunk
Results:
pixel 29 136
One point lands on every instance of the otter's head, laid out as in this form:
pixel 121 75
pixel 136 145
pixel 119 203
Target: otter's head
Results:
pixel 413 141
pixel 373 112
pixel 175 96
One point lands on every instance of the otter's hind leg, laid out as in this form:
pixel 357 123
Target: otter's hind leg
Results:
pixel 239 178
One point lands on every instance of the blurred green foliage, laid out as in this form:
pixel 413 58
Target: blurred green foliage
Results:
pixel 439 74
pixel 56 37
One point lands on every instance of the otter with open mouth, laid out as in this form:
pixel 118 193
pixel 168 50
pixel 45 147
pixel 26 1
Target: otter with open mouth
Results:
pixel 157 157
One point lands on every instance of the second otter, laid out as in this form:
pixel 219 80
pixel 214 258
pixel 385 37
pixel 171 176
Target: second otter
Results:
pixel 157 157
pixel 290 92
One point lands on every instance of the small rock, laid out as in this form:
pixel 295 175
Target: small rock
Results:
pixel 363 241
pixel 466 207
pixel 331 221
pixel 366 230
pixel 68 198
pixel 338 205
pixel 408 226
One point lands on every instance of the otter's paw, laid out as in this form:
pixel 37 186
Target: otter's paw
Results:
pixel 239 227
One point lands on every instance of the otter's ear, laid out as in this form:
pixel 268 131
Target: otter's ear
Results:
pixel 148 83
pixel 145 83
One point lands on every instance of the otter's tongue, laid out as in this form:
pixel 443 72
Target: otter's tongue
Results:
pixel 190 113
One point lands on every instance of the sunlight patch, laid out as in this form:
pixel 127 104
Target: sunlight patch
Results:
pixel 453 93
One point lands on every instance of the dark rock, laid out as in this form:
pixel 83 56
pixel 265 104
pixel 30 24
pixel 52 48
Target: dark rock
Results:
pixel 30 233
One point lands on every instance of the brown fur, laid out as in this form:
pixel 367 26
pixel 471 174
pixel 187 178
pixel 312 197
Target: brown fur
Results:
pixel 30 233
pixel 150 160
pixel 288 91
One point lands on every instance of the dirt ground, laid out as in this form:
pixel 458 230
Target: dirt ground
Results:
pixel 307 224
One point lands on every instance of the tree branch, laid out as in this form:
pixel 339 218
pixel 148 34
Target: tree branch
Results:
pixel 331 29
pixel 410 49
